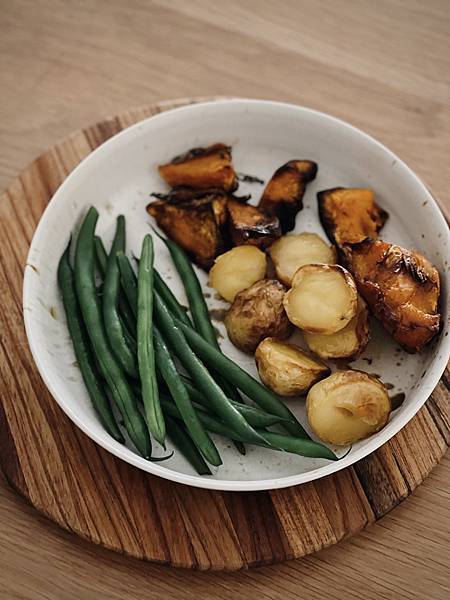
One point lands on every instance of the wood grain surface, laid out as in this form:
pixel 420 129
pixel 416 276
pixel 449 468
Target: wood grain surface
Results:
pixel 57 56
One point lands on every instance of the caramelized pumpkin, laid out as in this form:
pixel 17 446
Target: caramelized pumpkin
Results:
pixel 401 288
pixel 196 226
pixel 350 215
pixel 202 168
pixel 283 194
pixel 248 225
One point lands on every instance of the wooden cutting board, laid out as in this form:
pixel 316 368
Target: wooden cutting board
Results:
pixel 86 490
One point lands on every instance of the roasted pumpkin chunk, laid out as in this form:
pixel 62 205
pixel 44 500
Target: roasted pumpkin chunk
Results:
pixel 248 225
pixel 350 215
pixel 283 195
pixel 401 288
pixel 196 226
pixel 202 168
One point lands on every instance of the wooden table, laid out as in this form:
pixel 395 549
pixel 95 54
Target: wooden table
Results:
pixel 383 66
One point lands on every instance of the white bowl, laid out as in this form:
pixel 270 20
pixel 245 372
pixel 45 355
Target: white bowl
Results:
pixel 118 178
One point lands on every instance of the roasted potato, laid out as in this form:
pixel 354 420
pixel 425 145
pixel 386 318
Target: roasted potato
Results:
pixel 347 406
pixel 401 288
pixel 202 168
pixel 196 226
pixel 283 194
pixel 347 343
pixel 350 215
pixel 287 369
pixel 322 298
pixel 292 251
pixel 257 313
pixel 248 225
pixel 236 270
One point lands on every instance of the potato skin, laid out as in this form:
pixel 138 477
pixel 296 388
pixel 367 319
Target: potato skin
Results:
pixel 257 313
pixel 347 406
pixel 347 343
pixel 401 288
pixel 286 369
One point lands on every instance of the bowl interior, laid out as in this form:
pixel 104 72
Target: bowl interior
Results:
pixel 118 178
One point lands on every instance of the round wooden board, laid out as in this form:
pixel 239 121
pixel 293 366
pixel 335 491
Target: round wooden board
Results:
pixel 86 490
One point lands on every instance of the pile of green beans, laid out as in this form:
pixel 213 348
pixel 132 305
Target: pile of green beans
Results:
pixel 110 304
pixel 93 319
pixel 270 439
pixel 82 349
pixel 197 304
pixel 138 347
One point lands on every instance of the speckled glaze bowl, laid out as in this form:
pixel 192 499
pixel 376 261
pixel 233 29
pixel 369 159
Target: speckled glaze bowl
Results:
pixel 118 177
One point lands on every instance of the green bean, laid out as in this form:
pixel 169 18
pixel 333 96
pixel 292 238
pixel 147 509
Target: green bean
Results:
pixel 82 349
pixel 146 353
pixel 275 441
pixel 218 401
pixel 101 256
pixel 128 280
pixel 170 301
pixel 194 293
pixel 197 304
pixel 110 304
pixel 241 379
pixel 255 416
pixel 169 374
pixel 90 309
pixel 181 440
pixel 126 315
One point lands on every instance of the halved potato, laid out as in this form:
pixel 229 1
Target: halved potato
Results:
pixel 248 225
pixel 202 168
pixel 287 369
pixel 322 298
pixel 195 226
pixel 237 270
pixel 350 215
pixel 284 193
pixel 347 406
pixel 292 251
pixel 257 313
pixel 347 343
pixel 401 288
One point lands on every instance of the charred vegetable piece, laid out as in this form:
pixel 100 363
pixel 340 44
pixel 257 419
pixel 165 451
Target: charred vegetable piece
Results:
pixel 182 194
pixel 195 226
pixel 292 251
pixel 347 343
pixel 248 225
pixel 401 288
pixel 284 193
pixel 347 406
pixel 202 168
pixel 257 313
pixel 350 215
pixel 322 298
pixel 236 270
pixel 286 369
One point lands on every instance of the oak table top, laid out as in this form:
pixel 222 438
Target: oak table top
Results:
pixel 383 66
